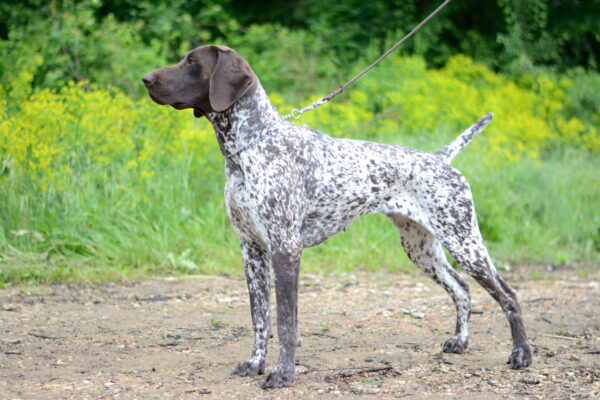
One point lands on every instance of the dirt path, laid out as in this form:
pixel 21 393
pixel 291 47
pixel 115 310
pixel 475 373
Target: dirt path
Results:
pixel 363 336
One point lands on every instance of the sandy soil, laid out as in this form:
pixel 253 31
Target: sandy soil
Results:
pixel 363 335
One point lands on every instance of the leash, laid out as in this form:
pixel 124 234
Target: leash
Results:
pixel 295 113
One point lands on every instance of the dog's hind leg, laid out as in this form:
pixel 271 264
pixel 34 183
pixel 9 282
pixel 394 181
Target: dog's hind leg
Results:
pixel 256 265
pixel 470 252
pixel 424 250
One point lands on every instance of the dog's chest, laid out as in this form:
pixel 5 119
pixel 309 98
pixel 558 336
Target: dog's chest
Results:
pixel 242 205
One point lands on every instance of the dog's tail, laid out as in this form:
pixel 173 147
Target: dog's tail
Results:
pixel 450 151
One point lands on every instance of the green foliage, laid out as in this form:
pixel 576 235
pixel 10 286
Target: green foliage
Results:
pixel 105 186
pixel 583 96
pixel 348 27
pixel 97 182
pixel 539 211
pixel 73 45
pixel 527 39
pixel 114 42
pixel 402 95
pixel 283 58
pixel 103 180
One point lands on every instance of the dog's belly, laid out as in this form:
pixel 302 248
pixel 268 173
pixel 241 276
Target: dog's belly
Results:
pixel 317 230
pixel 335 210
pixel 320 225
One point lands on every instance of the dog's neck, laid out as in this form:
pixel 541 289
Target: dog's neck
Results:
pixel 245 123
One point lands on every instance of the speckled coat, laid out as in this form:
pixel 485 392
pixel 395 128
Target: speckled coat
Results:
pixel 289 187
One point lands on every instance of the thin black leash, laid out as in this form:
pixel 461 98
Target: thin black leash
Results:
pixel 295 113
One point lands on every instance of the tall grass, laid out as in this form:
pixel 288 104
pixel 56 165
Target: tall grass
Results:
pixel 97 186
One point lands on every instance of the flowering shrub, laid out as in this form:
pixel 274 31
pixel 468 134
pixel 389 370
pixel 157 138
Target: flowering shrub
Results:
pixel 414 99
pixel 55 137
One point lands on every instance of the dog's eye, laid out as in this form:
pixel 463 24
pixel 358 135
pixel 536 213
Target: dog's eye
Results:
pixel 191 61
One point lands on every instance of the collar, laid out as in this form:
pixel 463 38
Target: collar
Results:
pixel 246 147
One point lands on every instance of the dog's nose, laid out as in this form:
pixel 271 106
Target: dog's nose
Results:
pixel 149 79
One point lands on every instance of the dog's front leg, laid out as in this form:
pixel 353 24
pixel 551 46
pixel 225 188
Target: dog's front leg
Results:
pixel 286 266
pixel 256 265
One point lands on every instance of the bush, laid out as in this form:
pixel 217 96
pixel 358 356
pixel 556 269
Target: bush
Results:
pixel 74 46
pixel 410 99
pixel 291 62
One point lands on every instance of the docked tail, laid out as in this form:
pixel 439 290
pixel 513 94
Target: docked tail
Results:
pixel 450 151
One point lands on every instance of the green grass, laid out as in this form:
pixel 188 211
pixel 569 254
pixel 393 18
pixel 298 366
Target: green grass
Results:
pixel 543 211
pixel 95 233
pixel 529 212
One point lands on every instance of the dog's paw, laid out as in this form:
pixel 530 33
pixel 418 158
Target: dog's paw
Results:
pixel 455 345
pixel 520 356
pixel 248 368
pixel 277 379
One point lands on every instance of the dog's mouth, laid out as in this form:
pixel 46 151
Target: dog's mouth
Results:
pixel 180 106
pixel 177 105
pixel 156 99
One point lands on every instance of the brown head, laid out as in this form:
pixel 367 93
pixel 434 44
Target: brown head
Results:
pixel 207 79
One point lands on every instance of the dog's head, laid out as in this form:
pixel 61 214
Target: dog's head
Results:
pixel 207 79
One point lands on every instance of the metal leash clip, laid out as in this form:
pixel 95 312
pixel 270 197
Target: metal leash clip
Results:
pixel 295 113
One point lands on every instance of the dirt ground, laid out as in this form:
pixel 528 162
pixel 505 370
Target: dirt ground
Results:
pixel 363 335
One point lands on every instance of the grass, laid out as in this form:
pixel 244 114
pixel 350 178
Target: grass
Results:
pixel 528 211
pixel 544 211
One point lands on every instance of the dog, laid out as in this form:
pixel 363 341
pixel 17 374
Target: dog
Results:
pixel 289 187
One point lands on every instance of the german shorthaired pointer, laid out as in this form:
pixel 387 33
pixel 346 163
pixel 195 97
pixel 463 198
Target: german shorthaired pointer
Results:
pixel 290 187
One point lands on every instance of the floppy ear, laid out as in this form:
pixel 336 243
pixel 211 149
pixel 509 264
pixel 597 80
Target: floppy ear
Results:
pixel 231 79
